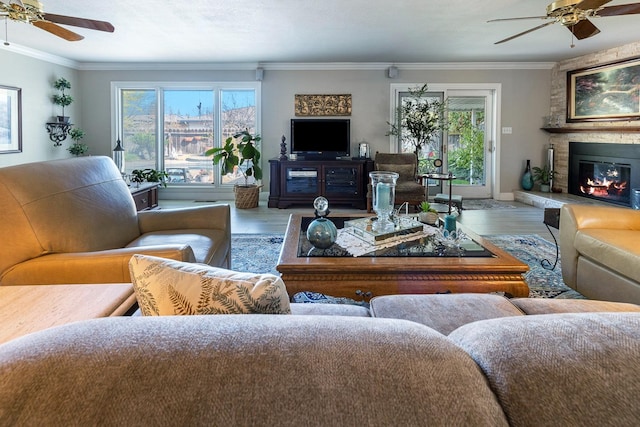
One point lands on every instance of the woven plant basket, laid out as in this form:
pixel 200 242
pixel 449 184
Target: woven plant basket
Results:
pixel 247 196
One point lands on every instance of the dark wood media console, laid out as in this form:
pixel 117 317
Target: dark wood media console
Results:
pixel 342 182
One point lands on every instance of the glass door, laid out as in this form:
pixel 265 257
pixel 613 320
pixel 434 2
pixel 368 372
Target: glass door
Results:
pixel 464 147
pixel 469 142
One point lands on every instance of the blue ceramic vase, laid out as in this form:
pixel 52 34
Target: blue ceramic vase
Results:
pixel 527 179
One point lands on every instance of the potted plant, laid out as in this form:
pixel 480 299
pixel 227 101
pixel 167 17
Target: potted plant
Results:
pixel 148 175
pixel 419 120
pixel 77 148
pixel 427 214
pixel 62 98
pixel 240 154
pixel 543 175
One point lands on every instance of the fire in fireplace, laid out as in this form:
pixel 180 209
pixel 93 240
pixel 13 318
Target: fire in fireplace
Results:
pixel 605 172
pixel 604 180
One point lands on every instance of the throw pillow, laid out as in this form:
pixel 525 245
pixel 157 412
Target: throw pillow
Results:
pixel 405 172
pixel 167 287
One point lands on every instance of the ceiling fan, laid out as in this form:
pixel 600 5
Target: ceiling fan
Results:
pixel 575 14
pixel 31 12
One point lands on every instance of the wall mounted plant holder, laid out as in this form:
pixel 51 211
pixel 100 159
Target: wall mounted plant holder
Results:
pixel 58 132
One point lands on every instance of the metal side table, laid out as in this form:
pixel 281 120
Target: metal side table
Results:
pixel 552 219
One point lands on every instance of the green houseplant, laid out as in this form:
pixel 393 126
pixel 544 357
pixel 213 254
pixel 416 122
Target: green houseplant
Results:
pixel 419 120
pixel 62 99
pixel 241 154
pixel 149 175
pixel 427 214
pixel 77 148
pixel 543 176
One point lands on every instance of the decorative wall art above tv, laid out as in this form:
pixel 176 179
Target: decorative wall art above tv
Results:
pixel 323 105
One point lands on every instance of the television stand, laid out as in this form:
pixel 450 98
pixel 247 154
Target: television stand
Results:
pixel 299 182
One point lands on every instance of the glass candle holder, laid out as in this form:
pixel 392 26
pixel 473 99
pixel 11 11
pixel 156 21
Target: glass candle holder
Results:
pixel 383 189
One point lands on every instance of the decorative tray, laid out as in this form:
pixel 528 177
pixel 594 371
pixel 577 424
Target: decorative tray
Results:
pixel 363 228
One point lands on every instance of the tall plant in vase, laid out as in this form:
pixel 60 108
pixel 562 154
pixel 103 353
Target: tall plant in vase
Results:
pixel 240 154
pixel 419 120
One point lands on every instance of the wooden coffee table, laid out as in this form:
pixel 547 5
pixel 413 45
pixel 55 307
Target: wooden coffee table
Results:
pixel 30 308
pixel 365 277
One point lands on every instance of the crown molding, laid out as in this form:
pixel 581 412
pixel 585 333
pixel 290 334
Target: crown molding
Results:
pixel 280 66
pixel 40 55
pixel 312 66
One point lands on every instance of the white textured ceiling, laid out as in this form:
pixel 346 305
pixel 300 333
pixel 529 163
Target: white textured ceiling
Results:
pixel 261 31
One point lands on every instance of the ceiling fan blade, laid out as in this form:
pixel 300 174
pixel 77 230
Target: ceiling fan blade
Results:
pixel 623 9
pixel 57 30
pixel 91 24
pixel 583 29
pixel 591 4
pixel 518 19
pixel 526 32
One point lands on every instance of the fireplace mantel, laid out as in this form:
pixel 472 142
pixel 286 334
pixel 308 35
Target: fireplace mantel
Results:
pixel 609 129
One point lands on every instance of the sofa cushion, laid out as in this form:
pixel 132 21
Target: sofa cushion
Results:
pixel 444 313
pixel 249 370
pixel 167 287
pixel 550 306
pixel 94 208
pixel 616 249
pixel 560 369
pixel 209 245
pixel 319 309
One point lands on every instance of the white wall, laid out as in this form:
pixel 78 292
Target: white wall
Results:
pixel 35 77
pixel 525 101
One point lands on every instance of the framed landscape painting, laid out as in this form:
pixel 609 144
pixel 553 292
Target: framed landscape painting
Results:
pixel 10 119
pixel 606 92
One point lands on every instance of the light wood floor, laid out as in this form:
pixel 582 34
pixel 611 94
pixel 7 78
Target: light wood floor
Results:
pixel 524 219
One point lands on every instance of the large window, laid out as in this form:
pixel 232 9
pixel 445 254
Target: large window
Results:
pixel 169 127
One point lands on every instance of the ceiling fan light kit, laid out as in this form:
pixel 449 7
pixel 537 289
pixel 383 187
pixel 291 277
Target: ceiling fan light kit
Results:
pixel 575 14
pixel 32 12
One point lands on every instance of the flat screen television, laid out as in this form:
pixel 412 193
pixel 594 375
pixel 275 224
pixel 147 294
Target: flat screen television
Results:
pixel 321 138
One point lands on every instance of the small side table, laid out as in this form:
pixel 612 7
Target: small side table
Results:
pixel 440 177
pixel 552 219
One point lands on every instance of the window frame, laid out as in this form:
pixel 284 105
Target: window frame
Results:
pixel 159 87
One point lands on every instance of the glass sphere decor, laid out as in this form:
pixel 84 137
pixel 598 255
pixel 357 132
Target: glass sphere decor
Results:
pixel 322 232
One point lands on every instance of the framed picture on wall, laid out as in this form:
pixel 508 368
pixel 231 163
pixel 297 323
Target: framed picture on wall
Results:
pixel 606 92
pixel 10 119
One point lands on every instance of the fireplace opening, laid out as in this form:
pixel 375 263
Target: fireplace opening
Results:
pixel 605 172
pixel 608 181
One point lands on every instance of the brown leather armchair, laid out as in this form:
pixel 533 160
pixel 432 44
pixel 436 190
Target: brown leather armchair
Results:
pixel 75 221
pixel 408 186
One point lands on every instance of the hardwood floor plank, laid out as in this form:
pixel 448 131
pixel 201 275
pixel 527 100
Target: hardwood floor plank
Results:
pixel 523 219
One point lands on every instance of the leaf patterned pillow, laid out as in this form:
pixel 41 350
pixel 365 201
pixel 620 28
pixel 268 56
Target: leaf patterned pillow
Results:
pixel 166 287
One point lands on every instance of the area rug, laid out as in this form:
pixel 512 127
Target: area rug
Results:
pixel 258 253
pixel 484 204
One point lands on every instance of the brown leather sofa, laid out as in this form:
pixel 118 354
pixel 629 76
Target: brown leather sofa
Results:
pixel 75 221
pixel 600 251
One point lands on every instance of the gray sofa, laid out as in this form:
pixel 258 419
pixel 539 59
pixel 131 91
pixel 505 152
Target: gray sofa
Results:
pixel 75 221
pixel 600 251
pixel 497 367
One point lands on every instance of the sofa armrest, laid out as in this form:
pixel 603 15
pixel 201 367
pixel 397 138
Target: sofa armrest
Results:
pixel 110 266
pixel 574 217
pixel 203 217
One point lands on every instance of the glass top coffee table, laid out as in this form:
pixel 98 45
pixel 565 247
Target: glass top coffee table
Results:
pixel 417 267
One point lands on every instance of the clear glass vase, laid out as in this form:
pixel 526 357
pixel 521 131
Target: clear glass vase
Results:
pixel 383 189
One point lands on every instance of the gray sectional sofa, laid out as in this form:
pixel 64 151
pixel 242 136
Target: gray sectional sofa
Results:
pixel 443 360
